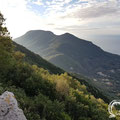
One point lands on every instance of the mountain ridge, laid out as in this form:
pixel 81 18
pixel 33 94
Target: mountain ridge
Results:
pixel 77 56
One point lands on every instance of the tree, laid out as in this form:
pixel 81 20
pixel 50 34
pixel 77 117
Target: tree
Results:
pixel 19 56
pixel 3 29
pixel 62 86
pixel 6 47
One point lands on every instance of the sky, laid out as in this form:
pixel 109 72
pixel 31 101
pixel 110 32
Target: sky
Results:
pixel 83 18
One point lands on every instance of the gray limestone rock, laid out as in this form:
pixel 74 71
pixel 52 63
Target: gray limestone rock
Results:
pixel 9 109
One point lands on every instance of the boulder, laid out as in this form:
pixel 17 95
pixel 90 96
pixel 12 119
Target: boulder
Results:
pixel 9 109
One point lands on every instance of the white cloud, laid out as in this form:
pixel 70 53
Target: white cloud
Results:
pixel 38 2
pixel 61 1
pixel 93 9
pixel 92 17
pixel 84 16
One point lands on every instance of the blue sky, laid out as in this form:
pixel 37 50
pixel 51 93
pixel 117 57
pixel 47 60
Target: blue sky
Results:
pixel 83 18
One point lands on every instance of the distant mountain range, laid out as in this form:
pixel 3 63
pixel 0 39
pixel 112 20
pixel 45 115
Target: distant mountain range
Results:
pixel 77 56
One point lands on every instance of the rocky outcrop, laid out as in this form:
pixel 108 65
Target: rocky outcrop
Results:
pixel 9 109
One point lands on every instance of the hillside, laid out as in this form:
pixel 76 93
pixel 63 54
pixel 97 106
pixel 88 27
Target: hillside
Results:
pixel 35 59
pixel 42 95
pixel 76 56
pixel 45 96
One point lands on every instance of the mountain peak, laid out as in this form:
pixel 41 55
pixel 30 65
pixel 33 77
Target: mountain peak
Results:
pixel 40 31
pixel 68 34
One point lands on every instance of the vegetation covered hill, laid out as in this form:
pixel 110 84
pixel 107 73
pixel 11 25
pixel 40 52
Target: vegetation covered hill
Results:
pixel 77 56
pixel 41 95
pixel 35 59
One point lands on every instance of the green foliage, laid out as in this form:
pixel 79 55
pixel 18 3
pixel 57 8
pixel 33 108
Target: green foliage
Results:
pixel 6 49
pixel 3 30
pixel 48 96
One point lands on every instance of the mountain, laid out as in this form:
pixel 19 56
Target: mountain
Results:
pixel 77 56
pixel 35 59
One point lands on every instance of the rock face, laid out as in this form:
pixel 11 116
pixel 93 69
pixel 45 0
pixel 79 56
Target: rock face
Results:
pixel 9 109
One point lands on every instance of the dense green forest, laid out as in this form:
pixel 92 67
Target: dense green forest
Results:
pixel 41 94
